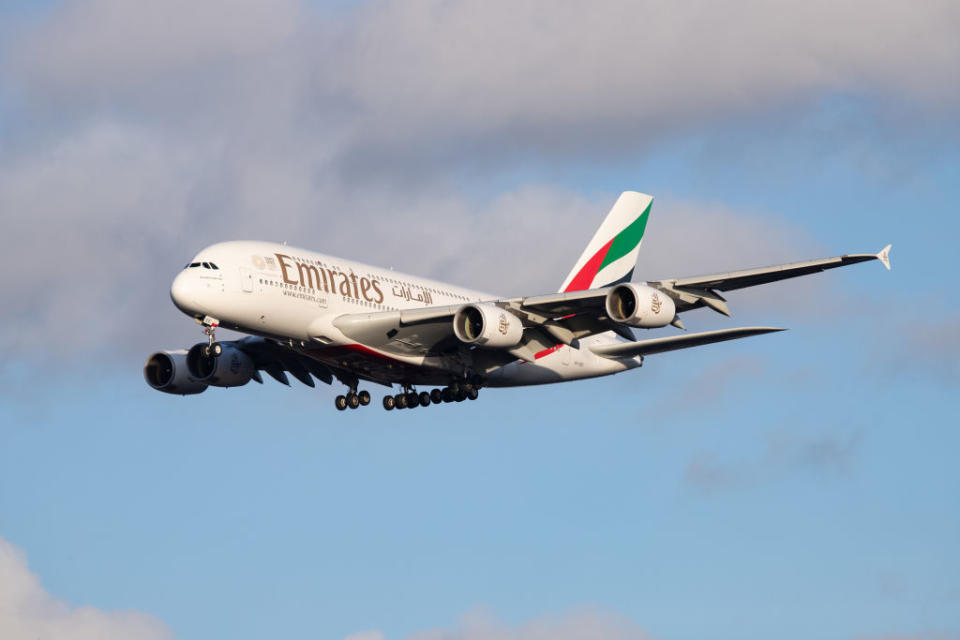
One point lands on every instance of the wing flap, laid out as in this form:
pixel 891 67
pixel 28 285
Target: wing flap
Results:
pixel 673 343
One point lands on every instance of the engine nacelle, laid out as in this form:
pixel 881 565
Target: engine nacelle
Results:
pixel 638 305
pixel 487 325
pixel 167 371
pixel 232 368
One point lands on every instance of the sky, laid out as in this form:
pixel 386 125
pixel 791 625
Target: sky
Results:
pixel 801 484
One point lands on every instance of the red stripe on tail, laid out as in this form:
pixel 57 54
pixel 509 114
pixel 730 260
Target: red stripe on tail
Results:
pixel 589 271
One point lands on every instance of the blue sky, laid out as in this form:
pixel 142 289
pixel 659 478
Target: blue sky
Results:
pixel 793 485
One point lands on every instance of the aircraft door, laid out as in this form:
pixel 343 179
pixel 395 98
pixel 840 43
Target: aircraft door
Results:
pixel 246 279
pixel 566 350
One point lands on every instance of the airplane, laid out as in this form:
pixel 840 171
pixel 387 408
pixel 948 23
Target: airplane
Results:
pixel 313 315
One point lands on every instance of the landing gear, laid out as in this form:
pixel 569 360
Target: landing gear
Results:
pixel 410 399
pixel 213 349
pixel 353 400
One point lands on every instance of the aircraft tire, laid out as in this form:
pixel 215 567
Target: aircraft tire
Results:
pixel 400 401
pixel 448 395
pixel 388 402
pixel 473 393
pixel 424 399
pixel 364 398
pixel 340 403
pixel 353 400
pixel 436 396
pixel 413 400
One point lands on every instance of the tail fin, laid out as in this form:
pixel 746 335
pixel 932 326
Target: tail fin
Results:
pixel 612 254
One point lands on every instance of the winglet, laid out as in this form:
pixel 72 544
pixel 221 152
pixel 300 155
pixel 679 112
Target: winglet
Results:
pixel 884 256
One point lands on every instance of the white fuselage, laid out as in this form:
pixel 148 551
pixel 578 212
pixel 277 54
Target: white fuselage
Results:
pixel 294 295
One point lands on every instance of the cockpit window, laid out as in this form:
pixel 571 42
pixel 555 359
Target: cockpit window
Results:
pixel 213 266
pixel 206 265
pixel 192 265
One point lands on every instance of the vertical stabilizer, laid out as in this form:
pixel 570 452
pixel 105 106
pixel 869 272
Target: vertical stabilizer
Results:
pixel 612 254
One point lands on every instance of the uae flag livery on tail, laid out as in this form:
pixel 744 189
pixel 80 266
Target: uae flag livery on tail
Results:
pixel 612 253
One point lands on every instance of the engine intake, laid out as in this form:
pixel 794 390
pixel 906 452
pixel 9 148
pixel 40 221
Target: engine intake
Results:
pixel 167 371
pixel 487 325
pixel 638 305
pixel 233 368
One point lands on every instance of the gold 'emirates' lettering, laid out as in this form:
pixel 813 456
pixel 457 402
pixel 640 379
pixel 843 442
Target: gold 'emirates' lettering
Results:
pixel 329 280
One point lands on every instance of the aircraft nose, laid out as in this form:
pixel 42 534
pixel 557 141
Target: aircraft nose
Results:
pixel 183 292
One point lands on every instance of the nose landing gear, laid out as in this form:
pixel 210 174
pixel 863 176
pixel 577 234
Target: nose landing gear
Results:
pixel 213 349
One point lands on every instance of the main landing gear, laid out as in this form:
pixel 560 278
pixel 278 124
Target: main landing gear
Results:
pixel 410 399
pixel 352 400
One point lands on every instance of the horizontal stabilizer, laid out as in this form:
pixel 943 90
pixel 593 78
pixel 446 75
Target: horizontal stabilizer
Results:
pixel 660 345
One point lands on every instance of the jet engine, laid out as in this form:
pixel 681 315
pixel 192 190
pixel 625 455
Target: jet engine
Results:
pixel 167 371
pixel 638 305
pixel 487 325
pixel 232 368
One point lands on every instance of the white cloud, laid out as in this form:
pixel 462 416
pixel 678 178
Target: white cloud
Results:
pixel 782 452
pixel 565 76
pixel 135 135
pixel 366 635
pixel 28 611
pixel 585 624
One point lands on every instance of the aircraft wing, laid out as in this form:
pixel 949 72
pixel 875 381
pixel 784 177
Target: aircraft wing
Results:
pixel 672 343
pixel 565 318
pixel 701 291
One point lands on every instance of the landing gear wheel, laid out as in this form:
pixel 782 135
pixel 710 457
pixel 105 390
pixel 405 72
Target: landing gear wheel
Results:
pixel 364 398
pixel 400 400
pixel 413 400
pixel 424 399
pixel 340 403
pixel 353 400
pixel 447 394
pixel 436 396
pixel 388 402
pixel 461 395
pixel 473 393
